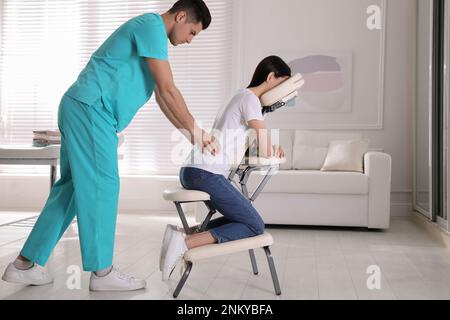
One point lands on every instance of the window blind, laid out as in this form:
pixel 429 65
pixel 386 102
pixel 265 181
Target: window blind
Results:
pixel 45 44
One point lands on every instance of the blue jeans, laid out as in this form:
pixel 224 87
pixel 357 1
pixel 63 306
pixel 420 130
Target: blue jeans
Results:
pixel 240 219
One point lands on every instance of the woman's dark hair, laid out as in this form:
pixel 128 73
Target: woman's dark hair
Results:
pixel 270 64
pixel 197 11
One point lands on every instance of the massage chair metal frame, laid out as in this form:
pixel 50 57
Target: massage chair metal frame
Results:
pixel 271 101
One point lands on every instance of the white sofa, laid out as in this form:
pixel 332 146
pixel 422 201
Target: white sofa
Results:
pixel 315 197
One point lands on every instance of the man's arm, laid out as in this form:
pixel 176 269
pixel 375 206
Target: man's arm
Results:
pixel 169 94
pixel 174 106
pixel 169 115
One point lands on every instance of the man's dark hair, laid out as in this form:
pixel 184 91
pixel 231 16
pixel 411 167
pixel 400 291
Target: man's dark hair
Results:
pixel 196 10
pixel 270 64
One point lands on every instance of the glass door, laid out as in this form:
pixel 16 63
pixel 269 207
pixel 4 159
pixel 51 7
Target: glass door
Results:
pixel 431 138
pixel 422 156
pixel 437 114
pixel 446 197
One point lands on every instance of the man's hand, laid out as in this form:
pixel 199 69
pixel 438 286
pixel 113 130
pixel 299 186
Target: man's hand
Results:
pixel 209 143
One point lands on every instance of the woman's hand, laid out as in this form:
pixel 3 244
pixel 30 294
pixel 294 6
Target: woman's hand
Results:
pixel 278 152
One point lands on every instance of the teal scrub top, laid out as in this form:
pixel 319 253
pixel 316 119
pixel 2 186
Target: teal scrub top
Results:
pixel 117 72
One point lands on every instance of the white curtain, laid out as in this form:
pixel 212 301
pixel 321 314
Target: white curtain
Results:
pixel 46 43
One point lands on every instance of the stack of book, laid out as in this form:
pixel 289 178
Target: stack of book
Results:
pixel 43 138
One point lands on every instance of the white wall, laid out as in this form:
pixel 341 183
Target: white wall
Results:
pixel 266 27
pixel 1 12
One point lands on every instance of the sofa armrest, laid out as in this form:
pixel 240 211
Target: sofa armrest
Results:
pixel 377 166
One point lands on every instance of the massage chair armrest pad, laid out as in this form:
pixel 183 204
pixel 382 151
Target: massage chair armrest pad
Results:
pixel 261 161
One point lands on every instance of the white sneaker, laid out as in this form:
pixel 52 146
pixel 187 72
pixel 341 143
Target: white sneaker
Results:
pixel 175 251
pixel 115 281
pixel 35 276
pixel 165 243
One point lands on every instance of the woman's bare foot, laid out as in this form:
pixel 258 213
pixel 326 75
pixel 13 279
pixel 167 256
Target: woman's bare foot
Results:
pixel 199 239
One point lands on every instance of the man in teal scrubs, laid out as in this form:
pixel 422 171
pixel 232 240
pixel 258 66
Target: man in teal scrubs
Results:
pixel 119 79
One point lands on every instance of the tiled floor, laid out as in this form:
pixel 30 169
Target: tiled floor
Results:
pixel 312 263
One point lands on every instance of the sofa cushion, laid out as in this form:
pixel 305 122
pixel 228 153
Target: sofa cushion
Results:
pixel 313 182
pixel 346 155
pixel 309 157
pixel 311 147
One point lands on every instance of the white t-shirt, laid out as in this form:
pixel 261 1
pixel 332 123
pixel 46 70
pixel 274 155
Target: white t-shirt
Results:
pixel 229 129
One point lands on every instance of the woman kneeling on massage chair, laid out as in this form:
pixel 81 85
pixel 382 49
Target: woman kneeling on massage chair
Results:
pixel 209 173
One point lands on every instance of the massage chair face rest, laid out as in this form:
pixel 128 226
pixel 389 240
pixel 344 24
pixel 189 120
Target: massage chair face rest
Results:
pixel 282 94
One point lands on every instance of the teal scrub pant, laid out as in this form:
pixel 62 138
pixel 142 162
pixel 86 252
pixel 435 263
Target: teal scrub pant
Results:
pixel 88 187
